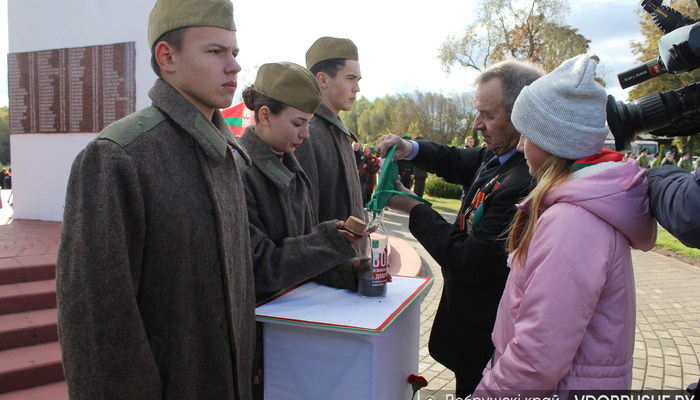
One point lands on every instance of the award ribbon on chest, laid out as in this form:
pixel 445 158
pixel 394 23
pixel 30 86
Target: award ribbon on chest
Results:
pixel 470 220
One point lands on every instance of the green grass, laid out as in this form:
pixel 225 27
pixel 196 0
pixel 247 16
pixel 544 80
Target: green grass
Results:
pixel 444 205
pixel 666 240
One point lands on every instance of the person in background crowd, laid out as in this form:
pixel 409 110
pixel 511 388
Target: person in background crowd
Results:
pixel 643 160
pixel 373 168
pixel 566 320
pixel 8 179
pixel 469 142
pixel 685 162
pixel 419 177
pixel 471 252
pixel 356 148
pixel 154 276
pixel 327 157
pixel 361 166
pixel 284 232
pixel 3 178
pixel 670 158
pixel 405 171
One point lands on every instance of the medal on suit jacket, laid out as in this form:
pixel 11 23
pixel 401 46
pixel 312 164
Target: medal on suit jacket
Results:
pixel 470 220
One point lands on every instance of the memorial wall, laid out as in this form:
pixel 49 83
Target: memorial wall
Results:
pixel 80 89
pixel 75 66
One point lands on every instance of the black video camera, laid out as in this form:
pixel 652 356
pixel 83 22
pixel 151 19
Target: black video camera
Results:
pixel 672 113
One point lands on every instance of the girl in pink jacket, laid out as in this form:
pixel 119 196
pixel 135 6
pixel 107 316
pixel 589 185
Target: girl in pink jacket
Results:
pixel 566 319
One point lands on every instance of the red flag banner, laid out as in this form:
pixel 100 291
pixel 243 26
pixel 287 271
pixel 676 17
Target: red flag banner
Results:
pixel 238 117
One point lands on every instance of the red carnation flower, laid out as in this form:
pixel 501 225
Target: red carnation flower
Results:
pixel 417 382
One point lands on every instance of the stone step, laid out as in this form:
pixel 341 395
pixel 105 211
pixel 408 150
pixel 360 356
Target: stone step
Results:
pixel 31 366
pixel 52 391
pixel 27 296
pixel 28 328
pixel 27 269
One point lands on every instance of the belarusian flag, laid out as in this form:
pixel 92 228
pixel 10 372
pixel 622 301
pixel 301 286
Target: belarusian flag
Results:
pixel 238 117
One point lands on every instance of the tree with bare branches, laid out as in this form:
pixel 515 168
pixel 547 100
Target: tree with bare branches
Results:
pixel 530 30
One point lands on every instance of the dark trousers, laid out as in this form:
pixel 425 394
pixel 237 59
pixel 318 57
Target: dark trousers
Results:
pixel 418 186
pixel 466 384
pixel 406 181
pixel 364 193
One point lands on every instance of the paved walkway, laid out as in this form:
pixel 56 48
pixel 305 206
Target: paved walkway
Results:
pixel 26 241
pixel 668 319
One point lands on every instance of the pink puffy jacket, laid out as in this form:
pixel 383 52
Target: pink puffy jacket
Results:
pixel 566 318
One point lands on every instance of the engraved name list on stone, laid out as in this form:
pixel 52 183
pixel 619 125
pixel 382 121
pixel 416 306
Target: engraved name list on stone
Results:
pixel 80 89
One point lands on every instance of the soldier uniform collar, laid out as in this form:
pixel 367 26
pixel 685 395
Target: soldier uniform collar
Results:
pixel 326 114
pixel 214 137
pixel 281 174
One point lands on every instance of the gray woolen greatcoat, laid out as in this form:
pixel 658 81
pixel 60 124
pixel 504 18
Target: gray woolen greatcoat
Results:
pixel 288 245
pixel 154 273
pixel 329 162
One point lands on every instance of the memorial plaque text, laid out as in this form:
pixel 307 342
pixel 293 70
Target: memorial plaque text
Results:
pixel 81 89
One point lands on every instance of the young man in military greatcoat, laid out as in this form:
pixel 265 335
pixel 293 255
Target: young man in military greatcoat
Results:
pixel 327 157
pixel 154 274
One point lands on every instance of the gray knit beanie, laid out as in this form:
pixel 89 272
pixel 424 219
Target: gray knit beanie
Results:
pixel 563 112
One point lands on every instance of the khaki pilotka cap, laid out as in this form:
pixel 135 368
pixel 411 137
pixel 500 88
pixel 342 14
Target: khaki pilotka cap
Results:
pixel 289 83
pixel 327 48
pixel 168 15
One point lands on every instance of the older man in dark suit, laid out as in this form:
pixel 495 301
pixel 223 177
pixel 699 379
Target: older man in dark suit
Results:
pixel 471 251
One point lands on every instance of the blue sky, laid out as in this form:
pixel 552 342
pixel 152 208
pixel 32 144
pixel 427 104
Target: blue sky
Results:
pixel 397 41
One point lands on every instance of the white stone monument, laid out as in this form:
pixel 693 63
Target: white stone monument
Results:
pixel 73 66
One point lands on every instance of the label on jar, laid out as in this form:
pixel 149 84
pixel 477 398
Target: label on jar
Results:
pixel 380 267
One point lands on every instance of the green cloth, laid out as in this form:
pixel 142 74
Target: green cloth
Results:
pixel 385 188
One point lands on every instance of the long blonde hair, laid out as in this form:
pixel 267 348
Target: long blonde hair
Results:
pixel 553 172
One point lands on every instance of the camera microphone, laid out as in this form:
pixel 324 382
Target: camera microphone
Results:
pixel 666 18
pixel 641 73
pixel 671 113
